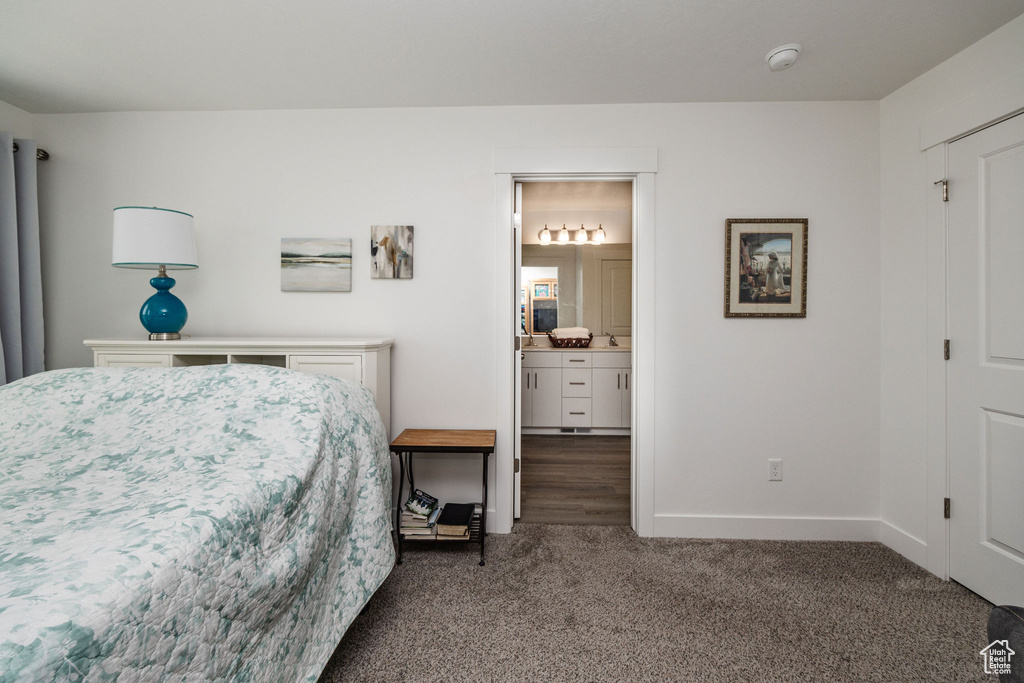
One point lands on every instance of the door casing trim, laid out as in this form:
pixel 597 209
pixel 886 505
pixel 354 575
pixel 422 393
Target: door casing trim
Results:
pixel 640 165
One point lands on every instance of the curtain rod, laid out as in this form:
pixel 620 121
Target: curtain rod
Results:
pixel 41 154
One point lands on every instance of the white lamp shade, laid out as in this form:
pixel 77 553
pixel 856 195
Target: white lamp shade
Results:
pixel 149 237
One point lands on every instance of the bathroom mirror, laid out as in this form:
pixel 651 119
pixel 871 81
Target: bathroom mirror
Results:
pixel 576 286
pixel 589 284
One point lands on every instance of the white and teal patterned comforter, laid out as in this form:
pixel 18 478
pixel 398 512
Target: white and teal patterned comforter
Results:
pixel 216 523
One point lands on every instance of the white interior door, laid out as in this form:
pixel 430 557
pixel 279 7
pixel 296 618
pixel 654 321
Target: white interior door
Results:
pixel 517 399
pixel 986 366
pixel 616 297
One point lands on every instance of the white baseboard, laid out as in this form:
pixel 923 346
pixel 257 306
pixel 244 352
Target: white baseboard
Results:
pixel 767 528
pixel 914 549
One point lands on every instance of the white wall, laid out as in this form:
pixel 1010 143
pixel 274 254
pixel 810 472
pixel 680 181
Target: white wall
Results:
pixel 16 121
pixel 730 393
pixel 907 507
pixel 736 392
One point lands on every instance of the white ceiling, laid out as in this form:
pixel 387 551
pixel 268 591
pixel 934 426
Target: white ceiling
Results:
pixel 122 55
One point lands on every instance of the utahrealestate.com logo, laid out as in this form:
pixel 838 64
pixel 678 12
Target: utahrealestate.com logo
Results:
pixel 997 657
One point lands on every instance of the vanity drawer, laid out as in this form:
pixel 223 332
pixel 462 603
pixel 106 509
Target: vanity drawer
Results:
pixel 611 359
pixel 577 382
pixel 577 359
pixel 542 359
pixel 576 412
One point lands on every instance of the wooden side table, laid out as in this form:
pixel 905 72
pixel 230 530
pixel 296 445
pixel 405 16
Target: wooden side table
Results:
pixel 429 441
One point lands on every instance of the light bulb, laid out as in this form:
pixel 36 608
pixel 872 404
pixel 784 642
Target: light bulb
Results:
pixel 545 235
pixel 599 235
pixel 563 235
pixel 581 235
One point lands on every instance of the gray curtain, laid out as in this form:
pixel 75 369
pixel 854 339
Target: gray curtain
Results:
pixel 21 282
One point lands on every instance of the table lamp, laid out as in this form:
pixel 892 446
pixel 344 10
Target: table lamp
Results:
pixel 150 238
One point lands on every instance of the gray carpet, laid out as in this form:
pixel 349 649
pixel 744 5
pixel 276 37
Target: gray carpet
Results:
pixel 585 603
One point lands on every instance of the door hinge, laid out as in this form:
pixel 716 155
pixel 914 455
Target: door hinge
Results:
pixel 945 188
pixel 945 349
pixel 945 508
pixel 517 466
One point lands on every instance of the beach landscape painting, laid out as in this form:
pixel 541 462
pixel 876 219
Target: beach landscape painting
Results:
pixel 316 265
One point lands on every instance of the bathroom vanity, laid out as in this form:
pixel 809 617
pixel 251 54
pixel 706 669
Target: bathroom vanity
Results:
pixel 576 390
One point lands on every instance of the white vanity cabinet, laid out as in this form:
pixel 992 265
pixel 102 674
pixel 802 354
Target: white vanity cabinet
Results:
pixel 542 390
pixel 612 382
pixel 576 389
pixel 363 360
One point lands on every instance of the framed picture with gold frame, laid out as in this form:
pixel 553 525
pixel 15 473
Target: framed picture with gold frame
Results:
pixel 766 268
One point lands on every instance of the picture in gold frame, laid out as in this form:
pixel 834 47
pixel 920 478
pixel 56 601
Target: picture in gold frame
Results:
pixel 766 268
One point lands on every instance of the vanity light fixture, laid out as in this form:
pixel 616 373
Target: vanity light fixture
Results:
pixel 581 235
pixel 545 235
pixel 599 235
pixel 563 235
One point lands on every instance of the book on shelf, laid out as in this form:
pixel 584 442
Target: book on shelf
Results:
pixel 453 537
pixel 418 532
pixel 455 518
pixel 421 503
pixel 410 520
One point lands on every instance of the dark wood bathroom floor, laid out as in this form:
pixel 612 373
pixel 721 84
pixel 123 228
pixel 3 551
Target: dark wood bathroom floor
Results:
pixel 569 479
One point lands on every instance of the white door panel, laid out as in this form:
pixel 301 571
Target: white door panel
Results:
pixel 616 297
pixel 1004 444
pixel 606 408
pixel 526 389
pixel 547 397
pixel 627 398
pixel 986 367
pixel 1004 219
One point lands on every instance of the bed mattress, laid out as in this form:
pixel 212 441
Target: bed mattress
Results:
pixel 215 523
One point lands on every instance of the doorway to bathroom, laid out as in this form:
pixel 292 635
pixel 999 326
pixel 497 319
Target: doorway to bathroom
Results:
pixel 575 312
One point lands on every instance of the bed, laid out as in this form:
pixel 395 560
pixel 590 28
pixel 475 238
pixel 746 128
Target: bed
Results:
pixel 211 523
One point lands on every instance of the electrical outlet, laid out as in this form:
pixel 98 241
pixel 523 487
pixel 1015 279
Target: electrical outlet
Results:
pixel 774 469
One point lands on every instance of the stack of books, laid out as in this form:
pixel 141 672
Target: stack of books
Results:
pixel 454 522
pixel 419 516
pixel 419 525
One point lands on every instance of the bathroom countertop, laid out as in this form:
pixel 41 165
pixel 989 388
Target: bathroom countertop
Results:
pixel 624 349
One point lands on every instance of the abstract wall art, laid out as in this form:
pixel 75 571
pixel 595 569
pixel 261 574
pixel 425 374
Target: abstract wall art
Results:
pixel 391 252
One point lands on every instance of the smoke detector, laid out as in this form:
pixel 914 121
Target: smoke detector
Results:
pixel 782 57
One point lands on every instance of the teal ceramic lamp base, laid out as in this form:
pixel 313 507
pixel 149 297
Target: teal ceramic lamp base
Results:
pixel 163 315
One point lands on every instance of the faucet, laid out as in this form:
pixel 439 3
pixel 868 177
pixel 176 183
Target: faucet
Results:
pixel 611 340
pixel 531 342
